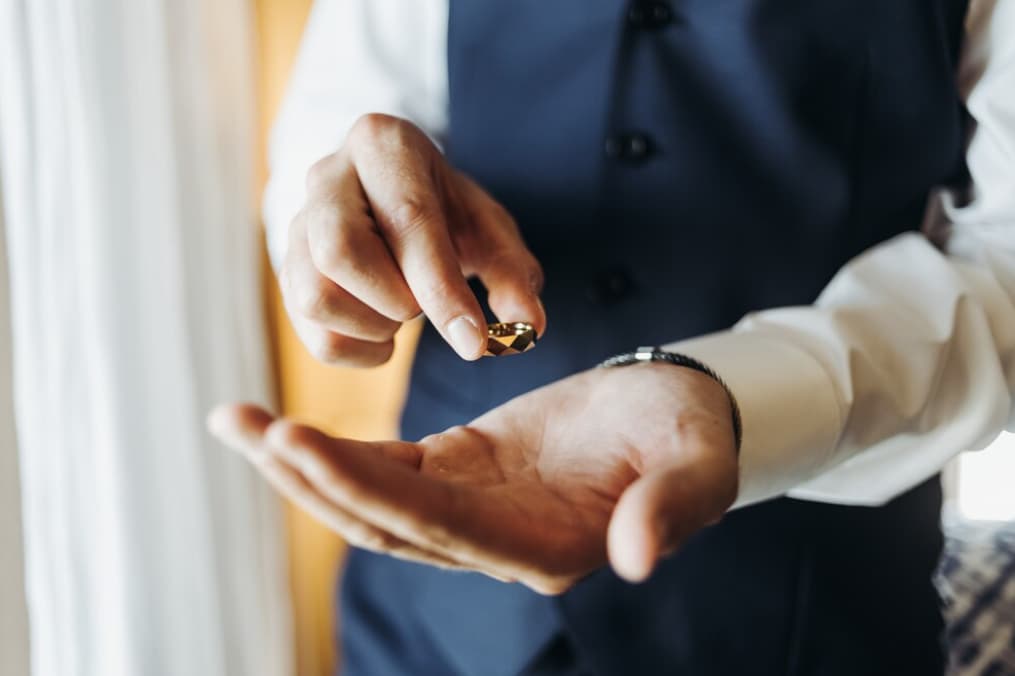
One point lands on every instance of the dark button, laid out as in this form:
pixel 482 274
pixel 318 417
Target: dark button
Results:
pixel 649 15
pixel 635 147
pixel 638 146
pixel 610 286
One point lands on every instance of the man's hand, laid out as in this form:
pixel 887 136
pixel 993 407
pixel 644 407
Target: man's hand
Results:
pixel 390 229
pixel 611 464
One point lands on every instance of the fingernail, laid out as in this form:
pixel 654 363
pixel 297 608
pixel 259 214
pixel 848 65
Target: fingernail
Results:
pixel 466 337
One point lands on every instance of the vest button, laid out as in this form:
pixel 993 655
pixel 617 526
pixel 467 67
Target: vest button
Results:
pixel 649 15
pixel 639 146
pixel 633 148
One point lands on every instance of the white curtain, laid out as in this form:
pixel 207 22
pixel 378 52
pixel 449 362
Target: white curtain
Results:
pixel 13 619
pixel 126 142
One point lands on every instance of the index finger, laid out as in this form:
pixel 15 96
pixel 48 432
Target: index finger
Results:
pixel 398 170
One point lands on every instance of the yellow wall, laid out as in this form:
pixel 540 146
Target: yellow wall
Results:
pixel 361 404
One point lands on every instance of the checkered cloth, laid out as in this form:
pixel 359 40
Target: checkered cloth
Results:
pixel 976 579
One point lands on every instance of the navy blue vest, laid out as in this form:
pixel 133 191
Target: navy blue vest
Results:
pixel 675 166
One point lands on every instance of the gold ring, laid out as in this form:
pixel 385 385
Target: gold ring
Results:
pixel 506 338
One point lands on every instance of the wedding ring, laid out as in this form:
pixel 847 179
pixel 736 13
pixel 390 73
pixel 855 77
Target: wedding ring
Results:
pixel 506 338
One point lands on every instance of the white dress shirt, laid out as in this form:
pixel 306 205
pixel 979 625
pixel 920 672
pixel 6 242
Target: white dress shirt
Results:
pixel 905 359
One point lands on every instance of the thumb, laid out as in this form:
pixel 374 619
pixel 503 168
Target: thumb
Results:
pixel 664 507
pixel 497 254
pixel 513 281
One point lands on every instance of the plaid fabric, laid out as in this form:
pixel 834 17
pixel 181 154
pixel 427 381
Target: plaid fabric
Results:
pixel 976 579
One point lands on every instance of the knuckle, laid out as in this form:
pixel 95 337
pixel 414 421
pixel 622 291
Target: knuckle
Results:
pixel 368 327
pixel 528 267
pixel 334 249
pixel 413 215
pixel 342 247
pixel 499 258
pixel 319 173
pixel 294 435
pixel 321 217
pixel 328 349
pixel 405 310
pixel 441 298
pixel 371 127
pixel 313 300
pixel 338 350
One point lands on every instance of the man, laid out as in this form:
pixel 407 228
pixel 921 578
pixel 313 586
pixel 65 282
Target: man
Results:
pixel 671 167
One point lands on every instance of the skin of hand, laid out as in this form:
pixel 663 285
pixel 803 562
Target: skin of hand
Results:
pixel 614 466
pixel 389 229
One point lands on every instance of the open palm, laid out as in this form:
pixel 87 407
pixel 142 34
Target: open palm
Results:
pixel 618 464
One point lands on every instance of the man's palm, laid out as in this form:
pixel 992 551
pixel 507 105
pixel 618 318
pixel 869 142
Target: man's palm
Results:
pixel 622 463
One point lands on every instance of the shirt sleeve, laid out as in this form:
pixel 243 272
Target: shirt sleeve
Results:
pixel 908 356
pixel 356 57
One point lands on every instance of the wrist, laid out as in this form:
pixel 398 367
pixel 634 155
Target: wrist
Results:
pixel 645 355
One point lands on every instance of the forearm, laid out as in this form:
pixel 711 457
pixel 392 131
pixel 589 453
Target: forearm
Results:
pixel 908 356
pixel 905 360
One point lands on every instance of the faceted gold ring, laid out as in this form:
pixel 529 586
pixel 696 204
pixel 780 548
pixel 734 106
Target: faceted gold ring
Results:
pixel 507 338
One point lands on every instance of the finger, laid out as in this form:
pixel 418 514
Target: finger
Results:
pixel 660 510
pixel 356 532
pixel 243 426
pixel 313 296
pixel 497 254
pixel 439 516
pixel 397 168
pixel 338 350
pixel 345 244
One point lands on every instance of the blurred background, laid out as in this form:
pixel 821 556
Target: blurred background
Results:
pixel 133 145
pixel 135 293
pixel 353 403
